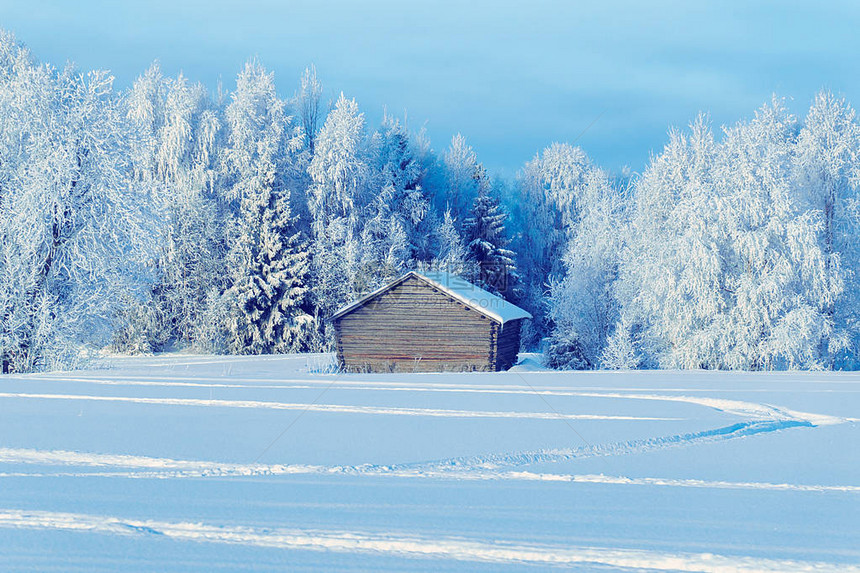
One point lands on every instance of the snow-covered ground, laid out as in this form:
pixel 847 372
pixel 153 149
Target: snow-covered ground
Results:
pixel 190 463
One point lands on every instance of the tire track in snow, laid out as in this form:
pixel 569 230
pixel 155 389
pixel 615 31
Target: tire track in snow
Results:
pixel 315 381
pixel 506 460
pixel 330 408
pixel 482 468
pixel 473 475
pixel 765 418
pixel 412 546
pixel 739 408
pixel 346 383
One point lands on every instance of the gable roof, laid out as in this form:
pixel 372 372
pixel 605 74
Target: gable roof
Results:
pixel 488 304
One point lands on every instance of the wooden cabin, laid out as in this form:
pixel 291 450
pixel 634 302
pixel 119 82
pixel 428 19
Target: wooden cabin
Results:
pixel 428 322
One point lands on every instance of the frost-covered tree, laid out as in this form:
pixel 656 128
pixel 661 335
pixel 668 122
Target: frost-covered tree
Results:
pixel 724 267
pixel 826 162
pixel 341 174
pixel 621 349
pixel 583 305
pixel 177 135
pixel 268 272
pixel 396 227
pixel 267 262
pixel 308 105
pixel 463 178
pixel 451 253
pixel 674 231
pixel 492 263
pixel 259 131
pixel 74 227
pixel 546 210
pixel 384 252
pixel 399 175
pixel 826 166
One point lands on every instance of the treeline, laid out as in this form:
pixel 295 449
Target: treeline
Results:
pixel 165 216
pixel 737 253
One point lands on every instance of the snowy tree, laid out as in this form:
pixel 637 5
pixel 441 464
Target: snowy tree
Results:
pixel 260 130
pixel 583 305
pixel 177 140
pixel 827 146
pixel 826 165
pixel 621 349
pixel 341 176
pixel 267 262
pixel 269 270
pixel 308 105
pixel 546 210
pixel 75 228
pixel 451 253
pixel 783 282
pixel 487 241
pixel 145 103
pixel 396 228
pixel 724 267
pixel 399 175
pixel 673 232
pixel 464 177
pixel 384 251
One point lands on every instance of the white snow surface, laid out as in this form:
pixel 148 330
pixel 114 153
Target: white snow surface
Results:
pixel 457 287
pixel 201 463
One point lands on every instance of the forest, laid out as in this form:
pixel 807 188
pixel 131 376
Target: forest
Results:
pixel 167 217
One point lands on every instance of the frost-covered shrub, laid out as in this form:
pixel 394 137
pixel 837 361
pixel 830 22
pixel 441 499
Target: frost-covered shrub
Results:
pixel 210 335
pixel 138 328
pixel 567 354
pixel 620 352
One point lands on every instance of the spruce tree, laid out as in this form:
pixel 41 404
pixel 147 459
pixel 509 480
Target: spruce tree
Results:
pixel 269 271
pixel 487 242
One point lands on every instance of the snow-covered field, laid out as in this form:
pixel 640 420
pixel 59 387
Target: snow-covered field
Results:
pixel 190 463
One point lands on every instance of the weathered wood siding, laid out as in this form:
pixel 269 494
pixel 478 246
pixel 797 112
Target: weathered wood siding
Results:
pixel 508 345
pixel 414 327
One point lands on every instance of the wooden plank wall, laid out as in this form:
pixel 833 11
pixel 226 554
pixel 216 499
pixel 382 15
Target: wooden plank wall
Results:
pixel 508 345
pixel 416 328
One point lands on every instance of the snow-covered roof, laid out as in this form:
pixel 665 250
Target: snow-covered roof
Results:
pixel 493 306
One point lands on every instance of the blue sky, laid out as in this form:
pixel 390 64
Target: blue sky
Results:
pixel 511 76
